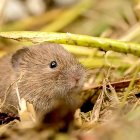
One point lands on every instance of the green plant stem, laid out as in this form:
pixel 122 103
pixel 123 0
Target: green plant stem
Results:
pixel 74 39
pixel 96 62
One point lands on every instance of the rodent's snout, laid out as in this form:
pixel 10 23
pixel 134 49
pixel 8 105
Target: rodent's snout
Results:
pixel 76 79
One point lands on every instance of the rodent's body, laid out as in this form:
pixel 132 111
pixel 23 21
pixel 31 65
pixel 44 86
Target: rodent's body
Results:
pixel 48 73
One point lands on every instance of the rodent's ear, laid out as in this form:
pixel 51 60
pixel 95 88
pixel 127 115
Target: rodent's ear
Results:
pixel 18 56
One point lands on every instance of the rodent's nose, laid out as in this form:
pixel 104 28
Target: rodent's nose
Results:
pixel 75 79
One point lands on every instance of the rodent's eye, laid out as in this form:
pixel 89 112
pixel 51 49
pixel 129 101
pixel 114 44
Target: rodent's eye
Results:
pixel 53 64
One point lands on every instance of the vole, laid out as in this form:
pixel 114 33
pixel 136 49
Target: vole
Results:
pixel 49 73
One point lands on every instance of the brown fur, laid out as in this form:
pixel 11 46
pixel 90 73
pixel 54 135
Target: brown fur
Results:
pixel 40 84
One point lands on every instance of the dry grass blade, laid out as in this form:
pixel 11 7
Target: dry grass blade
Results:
pixel 26 111
pixel 78 119
pixel 114 93
pixel 96 109
pixel 130 86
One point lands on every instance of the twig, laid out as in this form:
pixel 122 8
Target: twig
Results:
pixel 116 85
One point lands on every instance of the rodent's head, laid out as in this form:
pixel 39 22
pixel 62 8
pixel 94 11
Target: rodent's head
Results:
pixel 48 70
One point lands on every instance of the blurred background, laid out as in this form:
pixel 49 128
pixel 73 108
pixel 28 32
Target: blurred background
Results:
pixel 114 19
pixel 117 19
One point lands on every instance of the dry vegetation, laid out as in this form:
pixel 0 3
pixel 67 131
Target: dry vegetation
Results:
pixel 111 108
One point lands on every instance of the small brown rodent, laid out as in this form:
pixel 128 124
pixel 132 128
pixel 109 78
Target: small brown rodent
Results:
pixel 49 73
